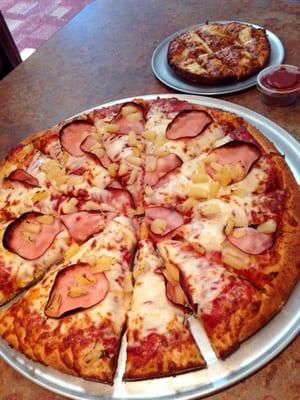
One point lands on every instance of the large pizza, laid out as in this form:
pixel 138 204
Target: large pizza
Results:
pixel 129 219
pixel 215 53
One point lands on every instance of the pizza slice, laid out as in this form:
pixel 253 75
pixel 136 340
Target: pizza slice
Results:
pixel 30 244
pixel 68 159
pixel 159 339
pixel 243 232
pixel 230 308
pixel 73 319
pixel 120 130
pixel 177 127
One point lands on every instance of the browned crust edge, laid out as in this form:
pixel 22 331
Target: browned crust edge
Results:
pixel 151 369
pixel 131 377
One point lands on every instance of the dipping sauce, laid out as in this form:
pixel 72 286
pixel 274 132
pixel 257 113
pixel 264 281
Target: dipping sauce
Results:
pixel 279 85
pixel 282 79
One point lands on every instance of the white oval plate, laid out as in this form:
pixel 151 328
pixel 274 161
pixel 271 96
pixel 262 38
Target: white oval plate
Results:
pixel 252 354
pixel 167 76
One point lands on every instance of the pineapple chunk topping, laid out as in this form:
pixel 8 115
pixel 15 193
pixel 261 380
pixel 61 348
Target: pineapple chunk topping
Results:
pixel 69 207
pixel 129 109
pixel 149 135
pixel 158 226
pixel 229 227
pixel 133 177
pixel 134 160
pixel 84 279
pixel 148 191
pixel 45 219
pixel 151 163
pixel 111 128
pixel 132 138
pixel 76 291
pixel 112 169
pixel 40 195
pixel 72 250
pixel 187 205
pixel 102 263
pixel 123 169
pixel 239 233
pixel 32 227
pixel 134 117
pixel 235 258
pixel 197 192
pixel 269 226
pixel 199 178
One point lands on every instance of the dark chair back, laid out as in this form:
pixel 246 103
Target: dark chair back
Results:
pixel 9 53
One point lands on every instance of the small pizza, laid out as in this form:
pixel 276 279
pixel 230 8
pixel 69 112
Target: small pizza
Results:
pixel 132 220
pixel 218 53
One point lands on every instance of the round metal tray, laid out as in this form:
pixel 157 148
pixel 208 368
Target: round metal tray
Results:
pixel 167 76
pixel 252 354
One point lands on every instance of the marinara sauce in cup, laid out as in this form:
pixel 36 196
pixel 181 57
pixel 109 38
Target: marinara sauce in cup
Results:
pixel 279 84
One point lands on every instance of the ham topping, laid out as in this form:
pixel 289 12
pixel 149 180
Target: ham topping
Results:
pixel 75 288
pixel 92 147
pixel 171 218
pixel 250 241
pixel 73 134
pixel 31 235
pixel 246 154
pixel 114 184
pixel 176 295
pixel 120 199
pixel 188 124
pixel 165 179
pixel 22 176
pixel 83 224
pixel 164 165
pixel 130 118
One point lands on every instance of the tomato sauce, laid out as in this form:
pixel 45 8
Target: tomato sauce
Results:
pixel 282 79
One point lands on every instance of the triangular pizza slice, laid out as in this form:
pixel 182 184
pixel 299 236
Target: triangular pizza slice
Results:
pixel 160 342
pixel 230 308
pixel 74 318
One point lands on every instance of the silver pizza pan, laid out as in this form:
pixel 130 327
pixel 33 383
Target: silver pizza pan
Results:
pixel 252 354
pixel 167 76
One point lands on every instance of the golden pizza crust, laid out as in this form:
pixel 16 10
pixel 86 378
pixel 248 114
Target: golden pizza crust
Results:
pixel 167 359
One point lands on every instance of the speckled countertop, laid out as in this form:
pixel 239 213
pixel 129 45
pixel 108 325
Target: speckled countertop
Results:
pixel 104 54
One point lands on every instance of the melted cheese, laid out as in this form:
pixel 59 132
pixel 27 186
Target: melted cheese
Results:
pixel 206 279
pixel 116 303
pixel 151 310
pixel 19 200
pixel 25 271
pixel 34 167
pixel 207 228
pixel 253 182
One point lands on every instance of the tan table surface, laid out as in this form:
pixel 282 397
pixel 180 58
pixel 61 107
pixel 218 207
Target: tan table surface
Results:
pixel 104 54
